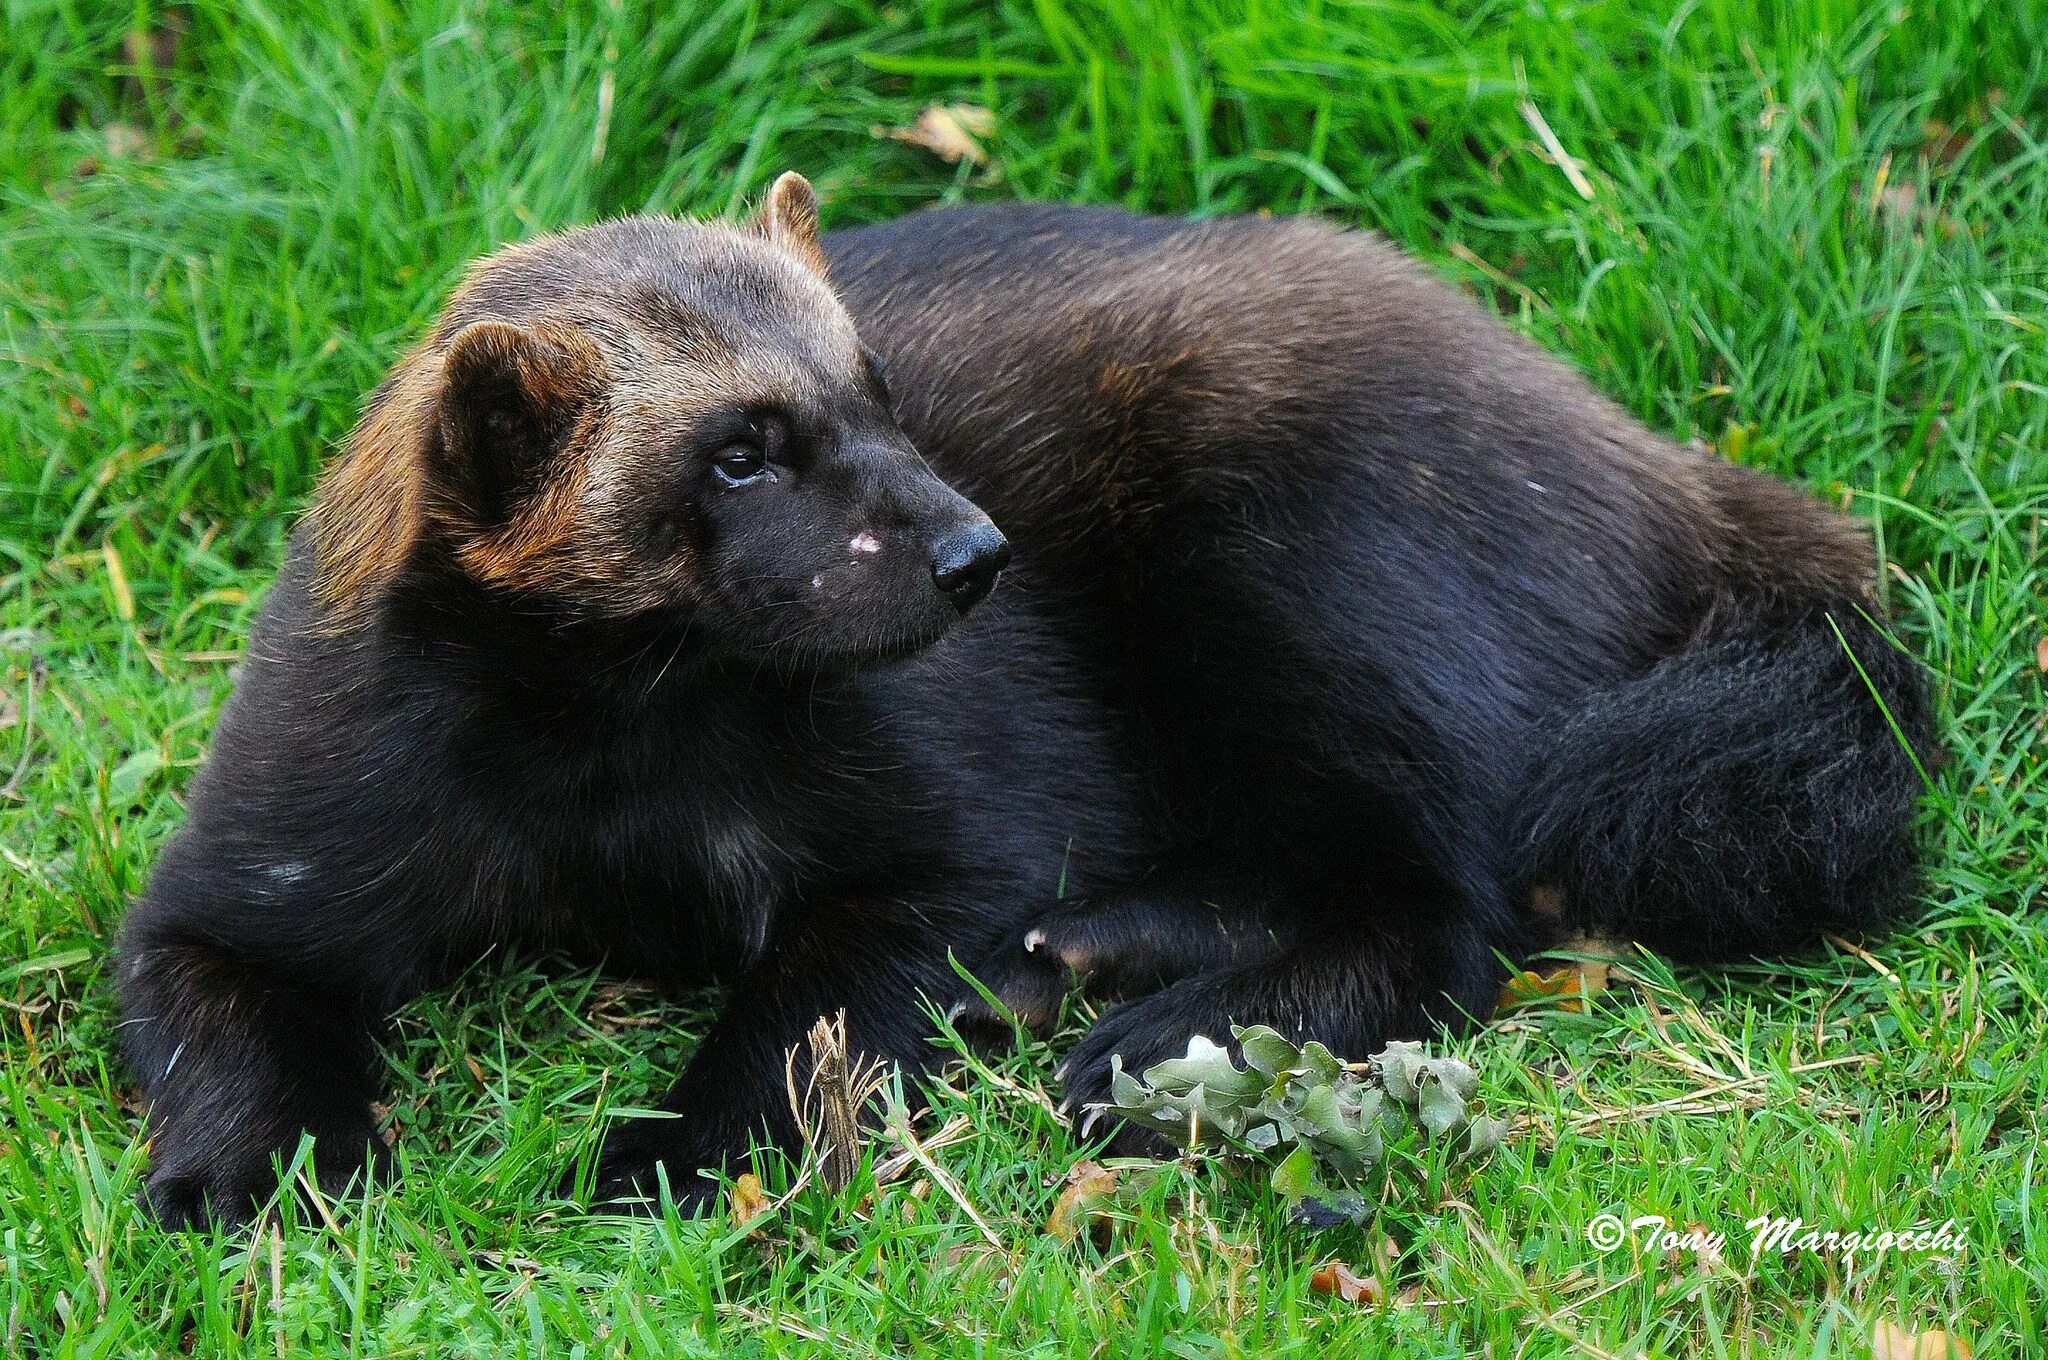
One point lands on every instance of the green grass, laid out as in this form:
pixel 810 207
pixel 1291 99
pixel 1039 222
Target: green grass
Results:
pixel 1812 233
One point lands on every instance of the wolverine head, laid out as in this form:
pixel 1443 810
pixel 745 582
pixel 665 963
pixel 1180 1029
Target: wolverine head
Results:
pixel 659 420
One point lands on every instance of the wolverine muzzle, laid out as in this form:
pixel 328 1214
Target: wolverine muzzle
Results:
pixel 967 561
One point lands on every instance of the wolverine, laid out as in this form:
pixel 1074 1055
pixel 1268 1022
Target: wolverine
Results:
pixel 1346 647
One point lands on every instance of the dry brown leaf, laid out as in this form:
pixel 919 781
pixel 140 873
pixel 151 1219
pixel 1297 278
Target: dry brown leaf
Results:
pixel 1386 1255
pixel 1699 1249
pixel 952 132
pixel 620 1006
pixel 156 46
pixel 1340 1281
pixel 2041 656
pixel 1530 986
pixel 1567 983
pixel 127 142
pixel 1942 142
pixel 1079 1207
pixel 1900 206
pixel 979 1257
pixel 746 1203
pixel 1890 1341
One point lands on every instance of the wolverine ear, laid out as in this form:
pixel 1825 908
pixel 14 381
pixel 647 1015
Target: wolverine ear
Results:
pixel 789 218
pixel 509 397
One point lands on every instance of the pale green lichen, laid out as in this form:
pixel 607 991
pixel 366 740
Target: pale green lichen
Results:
pixel 1324 1123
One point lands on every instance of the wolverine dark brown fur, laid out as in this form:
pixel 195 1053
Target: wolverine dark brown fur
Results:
pixel 1343 625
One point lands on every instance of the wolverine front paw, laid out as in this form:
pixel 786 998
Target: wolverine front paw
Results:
pixel 635 1163
pixel 1116 946
pixel 1141 1034
pixel 191 1189
pixel 1077 945
pixel 1028 981
pixel 194 1200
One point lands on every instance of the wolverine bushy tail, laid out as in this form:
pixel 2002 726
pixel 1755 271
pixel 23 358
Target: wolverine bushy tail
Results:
pixel 1742 797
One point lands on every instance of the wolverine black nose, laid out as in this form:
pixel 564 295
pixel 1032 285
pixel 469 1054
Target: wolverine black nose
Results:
pixel 966 562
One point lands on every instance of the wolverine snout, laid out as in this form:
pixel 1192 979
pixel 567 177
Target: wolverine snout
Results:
pixel 966 562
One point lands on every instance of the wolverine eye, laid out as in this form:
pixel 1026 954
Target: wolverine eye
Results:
pixel 747 458
pixel 738 464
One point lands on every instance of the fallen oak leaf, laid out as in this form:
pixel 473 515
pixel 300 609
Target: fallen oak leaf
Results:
pixel 1568 982
pixel 952 132
pixel 155 47
pixel 1340 1281
pixel 1695 1246
pixel 1079 1206
pixel 747 1203
pixel 127 142
pixel 977 1258
pixel 1941 142
pixel 1567 985
pixel 1386 1257
pixel 1529 986
pixel 1890 1341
